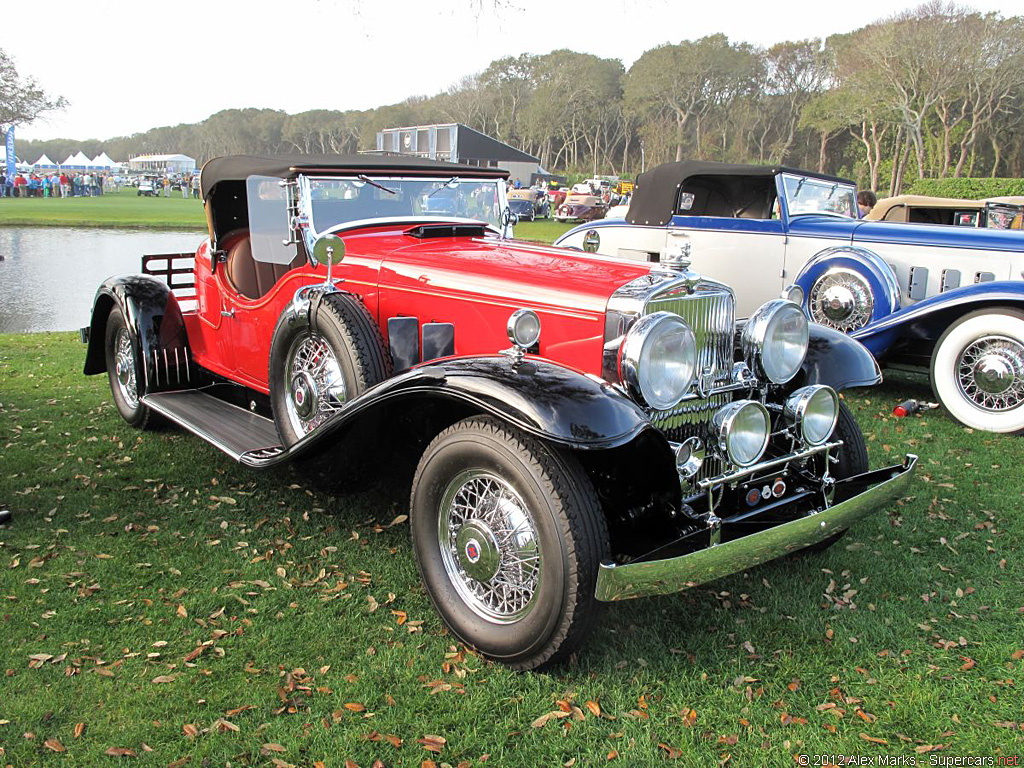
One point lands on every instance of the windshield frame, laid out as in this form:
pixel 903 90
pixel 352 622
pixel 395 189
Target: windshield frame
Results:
pixel 307 183
pixel 801 180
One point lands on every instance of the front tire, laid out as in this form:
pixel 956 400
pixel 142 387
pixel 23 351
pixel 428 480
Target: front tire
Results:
pixel 315 371
pixel 124 371
pixel 508 534
pixel 977 370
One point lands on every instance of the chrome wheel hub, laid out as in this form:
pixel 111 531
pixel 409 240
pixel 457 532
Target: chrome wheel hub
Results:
pixel 478 551
pixel 838 303
pixel 841 299
pixel 303 392
pixel 489 546
pixel 990 373
pixel 316 387
pixel 124 368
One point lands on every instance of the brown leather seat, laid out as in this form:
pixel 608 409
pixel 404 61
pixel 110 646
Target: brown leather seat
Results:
pixel 252 279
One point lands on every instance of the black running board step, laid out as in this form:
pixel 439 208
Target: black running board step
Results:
pixel 242 435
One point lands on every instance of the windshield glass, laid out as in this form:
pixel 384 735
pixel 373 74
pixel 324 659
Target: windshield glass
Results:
pixel 808 195
pixel 338 201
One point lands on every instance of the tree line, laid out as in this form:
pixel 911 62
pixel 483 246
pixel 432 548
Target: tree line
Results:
pixel 932 92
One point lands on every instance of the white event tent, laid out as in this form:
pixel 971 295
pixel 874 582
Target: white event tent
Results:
pixel 44 164
pixel 75 163
pixel 103 162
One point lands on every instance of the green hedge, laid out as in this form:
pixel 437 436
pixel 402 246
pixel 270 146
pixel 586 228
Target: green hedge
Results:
pixel 970 189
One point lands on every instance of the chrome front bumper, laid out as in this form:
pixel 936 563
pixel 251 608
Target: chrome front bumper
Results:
pixel 673 574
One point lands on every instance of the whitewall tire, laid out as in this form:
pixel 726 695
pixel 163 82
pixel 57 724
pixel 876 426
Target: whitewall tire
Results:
pixel 977 370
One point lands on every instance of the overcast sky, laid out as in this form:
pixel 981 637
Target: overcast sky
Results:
pixel 129 65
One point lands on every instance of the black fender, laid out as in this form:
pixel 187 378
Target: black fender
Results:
pixel 153 317
pixel 557 404
pixel 835 359
pixel 540 397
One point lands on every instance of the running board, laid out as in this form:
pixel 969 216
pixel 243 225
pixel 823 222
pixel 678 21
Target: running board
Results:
pixel 244 436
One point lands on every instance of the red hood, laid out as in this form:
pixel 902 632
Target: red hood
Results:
pixel 486 267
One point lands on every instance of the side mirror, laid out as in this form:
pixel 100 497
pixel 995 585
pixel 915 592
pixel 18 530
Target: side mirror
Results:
pixel 329 249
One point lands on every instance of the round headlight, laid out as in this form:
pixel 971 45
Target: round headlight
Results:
pixel 814 411
pixel 775 340
pixel 523 328
pixel 657 360
pixel 743 428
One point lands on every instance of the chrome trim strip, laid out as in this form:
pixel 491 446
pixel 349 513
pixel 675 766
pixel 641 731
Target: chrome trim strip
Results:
pixel 730 477
pixel 916 310
pixel 662 577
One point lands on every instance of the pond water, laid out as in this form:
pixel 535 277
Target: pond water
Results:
pixel 49 276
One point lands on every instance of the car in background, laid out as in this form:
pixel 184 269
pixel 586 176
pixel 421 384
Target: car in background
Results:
pixel 522 207
pixel 945 300
pixel 581 206
pixel 582 429
pixel 538 199
pixel 994 213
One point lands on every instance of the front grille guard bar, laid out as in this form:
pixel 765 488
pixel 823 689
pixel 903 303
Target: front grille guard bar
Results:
pixel 660 573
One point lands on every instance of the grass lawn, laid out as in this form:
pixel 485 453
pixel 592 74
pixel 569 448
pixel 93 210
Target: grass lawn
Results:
pixel 158 598
pixel 122 210
pixel 126 210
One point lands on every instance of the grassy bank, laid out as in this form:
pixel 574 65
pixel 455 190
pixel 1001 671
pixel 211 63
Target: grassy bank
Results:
pixel 158 598
pixel 122 210
pixel 126 210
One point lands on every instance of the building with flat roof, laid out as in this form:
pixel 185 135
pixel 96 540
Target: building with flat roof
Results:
pixel 163 163
pixel 458 143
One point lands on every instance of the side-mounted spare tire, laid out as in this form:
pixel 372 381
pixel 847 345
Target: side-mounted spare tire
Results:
pixel 318 364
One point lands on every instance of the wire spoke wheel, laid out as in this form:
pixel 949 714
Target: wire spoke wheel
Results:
pixel 841 299
pixel 125 367
pixel 990 373
pixel 489 546
pixel 316 386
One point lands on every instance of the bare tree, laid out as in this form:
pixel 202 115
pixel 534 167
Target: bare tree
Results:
pixel 22 100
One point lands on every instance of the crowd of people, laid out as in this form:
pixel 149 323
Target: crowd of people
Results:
pixel 87 184
pixel 64 184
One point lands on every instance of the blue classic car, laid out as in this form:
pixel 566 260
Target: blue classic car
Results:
pixel 945 300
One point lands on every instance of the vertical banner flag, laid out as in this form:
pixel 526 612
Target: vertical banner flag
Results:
pixel 10 153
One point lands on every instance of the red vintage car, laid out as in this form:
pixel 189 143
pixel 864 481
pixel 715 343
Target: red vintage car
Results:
pixel 582 428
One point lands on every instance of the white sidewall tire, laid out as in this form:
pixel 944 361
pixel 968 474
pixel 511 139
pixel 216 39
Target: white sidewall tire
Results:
pixel 952 343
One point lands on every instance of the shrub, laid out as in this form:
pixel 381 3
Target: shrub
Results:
pixel 970 189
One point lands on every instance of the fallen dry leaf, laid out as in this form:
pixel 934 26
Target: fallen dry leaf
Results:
pixel 432 743
pixel 594 708
pixel 79 729
pixel 182 613
pixel 267 749
pixel 873 739
pixel 543 720
pixel 120 752
pixel 165 679
pixel 355 706
pixel 55 745
pixel 673 752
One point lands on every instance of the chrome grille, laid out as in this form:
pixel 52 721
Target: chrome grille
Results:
pixel 710 311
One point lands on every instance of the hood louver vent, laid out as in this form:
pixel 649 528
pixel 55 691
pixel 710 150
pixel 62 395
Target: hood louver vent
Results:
pixel 447 230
